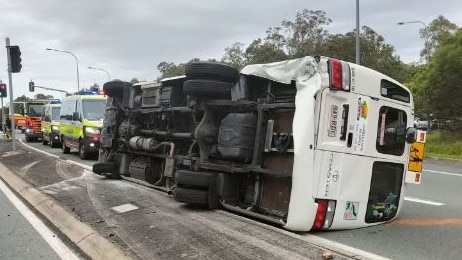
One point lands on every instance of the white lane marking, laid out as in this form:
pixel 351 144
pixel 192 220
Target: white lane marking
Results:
pixel 38 150
pixel 445 173
pixel 124 208
pixel 53 240
pixel 424 201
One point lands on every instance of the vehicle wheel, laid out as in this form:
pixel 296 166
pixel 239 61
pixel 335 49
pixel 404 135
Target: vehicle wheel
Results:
pixel 66 149
pixel 191 196
pixel 83 153
pixel 115 88
pixel 207 88
pixel 53 144
pixel 28 139
pixel 190 178
pixel 107 169
pixel 211 70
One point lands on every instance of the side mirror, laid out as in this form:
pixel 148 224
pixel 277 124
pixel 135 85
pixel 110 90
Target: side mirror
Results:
pixel 411 135
pixel 75 116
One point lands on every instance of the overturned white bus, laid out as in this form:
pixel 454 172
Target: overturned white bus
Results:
pixel 310 143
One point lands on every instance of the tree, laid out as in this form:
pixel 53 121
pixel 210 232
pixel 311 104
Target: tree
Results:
pixel 43 96
pixel 234 55
pixel 443 80
pixel 435 34
pixel 22 98
pixel 264 52
pixel 306 34
pixel 134 81
pixel 375 53
pixel 171 70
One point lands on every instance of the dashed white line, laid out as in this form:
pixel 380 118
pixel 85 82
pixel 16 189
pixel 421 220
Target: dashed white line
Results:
pixel 429 202
pixel 445 173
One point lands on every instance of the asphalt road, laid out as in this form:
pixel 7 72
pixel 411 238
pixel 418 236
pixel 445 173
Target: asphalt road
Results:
pixel 148 224
pixel 18 238
pixel 429 225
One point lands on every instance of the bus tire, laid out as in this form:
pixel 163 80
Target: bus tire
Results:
pixel 28 139
pixel 115 88
pixel 207 88
pixel 211 70
pixel 106 169
pixel 191 196
pixel 190 178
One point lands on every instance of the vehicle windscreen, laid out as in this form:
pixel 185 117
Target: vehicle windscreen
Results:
pixel 55 113
pixel 35 110
pixel 93 109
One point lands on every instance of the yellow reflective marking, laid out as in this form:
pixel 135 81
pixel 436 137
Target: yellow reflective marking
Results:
pixel 416 157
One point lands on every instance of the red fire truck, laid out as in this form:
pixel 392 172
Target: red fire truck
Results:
pixel 33 113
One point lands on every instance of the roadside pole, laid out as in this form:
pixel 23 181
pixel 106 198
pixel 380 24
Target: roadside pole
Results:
pixel 3 117
pixel 10 79
pixel 3 120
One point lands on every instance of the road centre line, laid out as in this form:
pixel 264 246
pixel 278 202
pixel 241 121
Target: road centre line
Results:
pixel 424 201
pixel 445 173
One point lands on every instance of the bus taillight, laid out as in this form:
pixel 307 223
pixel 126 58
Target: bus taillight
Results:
pixel 324 214
pixel 339 75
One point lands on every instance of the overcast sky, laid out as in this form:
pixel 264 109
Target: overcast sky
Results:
pixel 130 38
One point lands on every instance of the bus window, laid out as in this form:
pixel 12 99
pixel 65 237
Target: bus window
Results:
pixel 384 193
pixel 393 91
pixel 391 131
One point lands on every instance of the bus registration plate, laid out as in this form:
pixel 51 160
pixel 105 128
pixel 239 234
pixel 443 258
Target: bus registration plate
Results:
pixel 332 131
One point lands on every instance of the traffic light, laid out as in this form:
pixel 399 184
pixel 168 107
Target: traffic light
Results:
pixel 15 56
pixel 2 90
pixel 31 86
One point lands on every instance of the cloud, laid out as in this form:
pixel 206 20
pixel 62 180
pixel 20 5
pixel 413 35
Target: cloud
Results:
pixel 130 38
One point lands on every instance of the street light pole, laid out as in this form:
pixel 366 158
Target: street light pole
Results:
pixel 358 59
pixel 427 50
pixel 107 73
pixel 76 61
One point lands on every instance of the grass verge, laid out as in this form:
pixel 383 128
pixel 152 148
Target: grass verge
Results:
pixel 443 145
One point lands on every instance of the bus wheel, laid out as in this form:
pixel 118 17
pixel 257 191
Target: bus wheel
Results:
pixel 191 196
pixel 107 169
pixel 203 197
pixel 190 178
pixel 66 149
pixel 211 70
pixel 207 88
pixel 28 139
pixel 83 152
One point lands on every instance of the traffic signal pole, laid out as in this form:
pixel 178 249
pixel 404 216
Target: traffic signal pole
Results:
pixel 10 79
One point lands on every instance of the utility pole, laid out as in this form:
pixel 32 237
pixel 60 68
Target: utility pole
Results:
pixel 357 34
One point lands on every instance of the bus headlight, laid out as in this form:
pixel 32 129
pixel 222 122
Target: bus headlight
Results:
pixel 91 130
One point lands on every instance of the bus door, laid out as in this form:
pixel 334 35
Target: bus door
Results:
pixel 360 157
